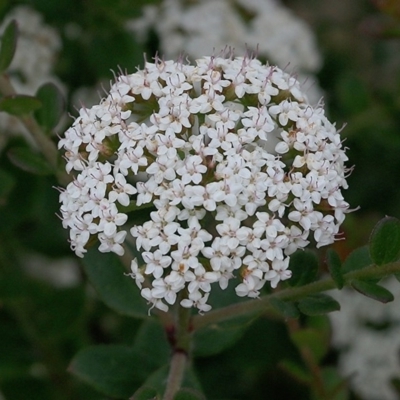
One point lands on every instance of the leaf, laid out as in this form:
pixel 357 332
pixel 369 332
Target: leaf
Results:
pixel 334 384
pixel 158 379
pixel 113 370
pixel 146 393
pixel 8 45
pixel 151 342
pixel 384 243
pixel 296 371
pixel 217 337
pixel 335 266
pixel 356 260
pixel 318 304
pixel 114 287
pixel 285 308
pixel 28 161
pixel 304 267
pixel 189 394
pixel 8 182
pixel 19 104
pixel 373 291
pixel 52 108
pixel 313 340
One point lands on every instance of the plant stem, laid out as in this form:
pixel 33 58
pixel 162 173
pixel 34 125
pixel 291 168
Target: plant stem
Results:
pixel 175 376
pixel 291 294
pixel 181 348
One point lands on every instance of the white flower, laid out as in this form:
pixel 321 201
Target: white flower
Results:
pixel 239 168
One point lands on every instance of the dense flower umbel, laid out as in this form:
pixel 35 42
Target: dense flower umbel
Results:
pixel 240 169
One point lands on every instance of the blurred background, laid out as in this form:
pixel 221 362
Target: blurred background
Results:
pixel 346 54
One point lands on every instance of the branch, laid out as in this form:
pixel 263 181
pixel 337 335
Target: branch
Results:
pixel 291 294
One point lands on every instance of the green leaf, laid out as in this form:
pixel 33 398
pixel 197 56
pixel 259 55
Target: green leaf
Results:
pixel 113 370
pixel 19 104
pixel 334 384
pixel 373 291
pixel 8 182
pixel 313 340
pixel 285 308
pixel 318 304
pixel 296 371
pixel 151 342
pixel 356 260
pixel 8 45
pixel 28 161
pixel 335 266
pixel 158 379
pixel 52 108
pixel 114 287
pixel 304 267
pixel 217 337
pixel 384 243
pixel 189 394
pixel 146 393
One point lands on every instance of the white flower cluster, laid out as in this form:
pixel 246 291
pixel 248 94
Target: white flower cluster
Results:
pixel 34 58
pixel 240 171
pixel 265 27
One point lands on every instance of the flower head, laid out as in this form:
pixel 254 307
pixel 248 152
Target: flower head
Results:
pixel 239 180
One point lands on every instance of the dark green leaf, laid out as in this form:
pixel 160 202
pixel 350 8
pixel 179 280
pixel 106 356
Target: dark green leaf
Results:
pixel 146 393
pixel 113 370
pixel 318 304
pixel 296 371
pixel 115 288
pixel 356 260
pixel 304 267
pixel 52 108
pixel 216 338
pixel 8 45
pixel 189 394
pixel 29 161
pixel 159 378
pixel 151 342
pixel 313 340
pixel 334 383
pixel 373 291
pixel 19 104
pixel 384 243
pixel 335 267
pixel 285 308
pixel 7 184
pixel 133 207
